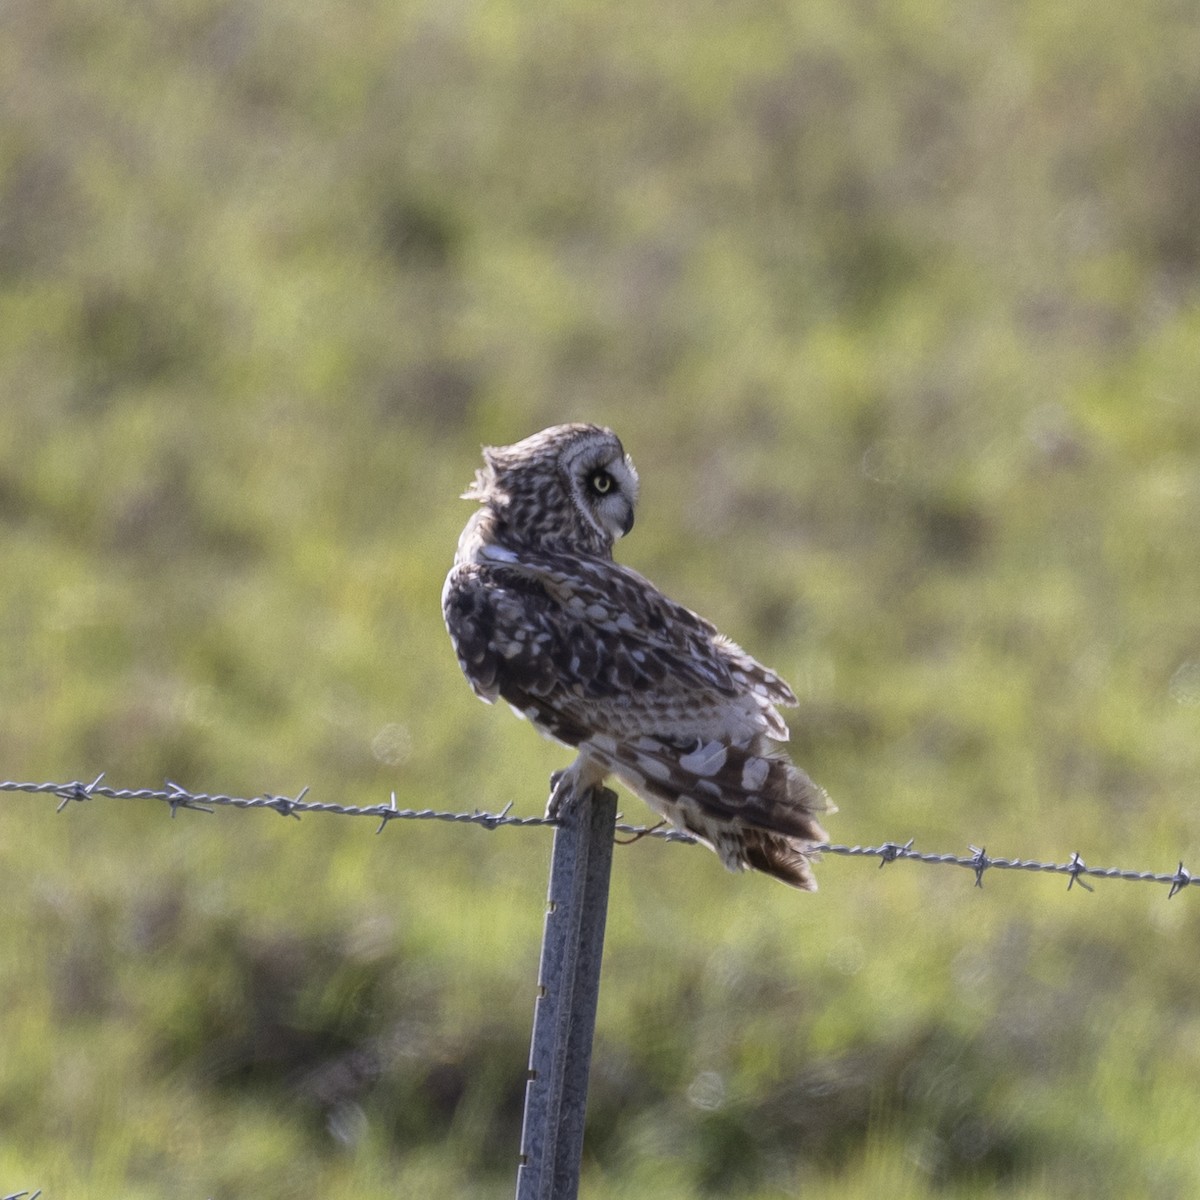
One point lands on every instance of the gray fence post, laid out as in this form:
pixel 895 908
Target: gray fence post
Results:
pixel 564 1015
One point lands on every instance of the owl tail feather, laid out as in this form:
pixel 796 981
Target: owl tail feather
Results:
pixel 777 824
pixel 751 804
pixel 787 859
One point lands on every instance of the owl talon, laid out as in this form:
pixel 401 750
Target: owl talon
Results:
pixel 562 796
pixel 557 798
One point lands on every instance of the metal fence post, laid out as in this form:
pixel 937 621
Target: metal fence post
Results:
pixel 564 1015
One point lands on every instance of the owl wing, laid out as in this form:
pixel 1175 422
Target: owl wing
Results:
pixel 584 646
pixel 592 653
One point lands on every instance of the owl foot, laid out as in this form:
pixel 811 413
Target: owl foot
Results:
pixel 571 787
pixel 562 794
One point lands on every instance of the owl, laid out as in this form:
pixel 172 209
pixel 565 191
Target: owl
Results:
pixel 596 657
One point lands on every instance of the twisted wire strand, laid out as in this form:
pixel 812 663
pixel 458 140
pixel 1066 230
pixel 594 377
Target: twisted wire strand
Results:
pixel 978 861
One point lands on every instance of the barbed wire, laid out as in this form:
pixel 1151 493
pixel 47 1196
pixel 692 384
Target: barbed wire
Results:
pixel 978 861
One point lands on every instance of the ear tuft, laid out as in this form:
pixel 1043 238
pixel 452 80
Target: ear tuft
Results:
pixel 481 486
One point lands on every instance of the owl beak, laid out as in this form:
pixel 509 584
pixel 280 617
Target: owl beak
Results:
pixel 627 523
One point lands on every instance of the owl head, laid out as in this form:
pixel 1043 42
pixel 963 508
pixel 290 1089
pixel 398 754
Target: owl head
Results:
pixel 570 487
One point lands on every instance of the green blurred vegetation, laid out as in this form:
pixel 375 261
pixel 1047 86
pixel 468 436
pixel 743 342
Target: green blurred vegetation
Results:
pixel 896 309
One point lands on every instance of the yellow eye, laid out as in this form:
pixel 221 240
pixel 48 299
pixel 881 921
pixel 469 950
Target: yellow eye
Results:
pixel 601 483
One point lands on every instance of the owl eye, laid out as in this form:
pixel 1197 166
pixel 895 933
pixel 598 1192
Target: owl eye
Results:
pixel 600 483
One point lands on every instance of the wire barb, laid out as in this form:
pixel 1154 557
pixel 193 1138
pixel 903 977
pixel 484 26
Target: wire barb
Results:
pixel 1078 869
pixel 177 797
pixel 638 834
pixel 386 814
pixel 285 806
pixel 491 820
pixel 890 851
pixel 77 791
pixel 1181 879
pixel 980 862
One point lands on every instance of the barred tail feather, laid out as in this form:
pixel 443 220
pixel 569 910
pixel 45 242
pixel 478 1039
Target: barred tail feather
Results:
pixel 750 803
pixel 787 859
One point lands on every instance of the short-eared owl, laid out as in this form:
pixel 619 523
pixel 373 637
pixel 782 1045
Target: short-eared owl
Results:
pixel 596 657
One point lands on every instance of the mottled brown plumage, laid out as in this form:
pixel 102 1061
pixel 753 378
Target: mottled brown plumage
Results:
pixel 597 658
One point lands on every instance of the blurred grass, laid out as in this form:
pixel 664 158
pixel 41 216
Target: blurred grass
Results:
pixel 896 309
